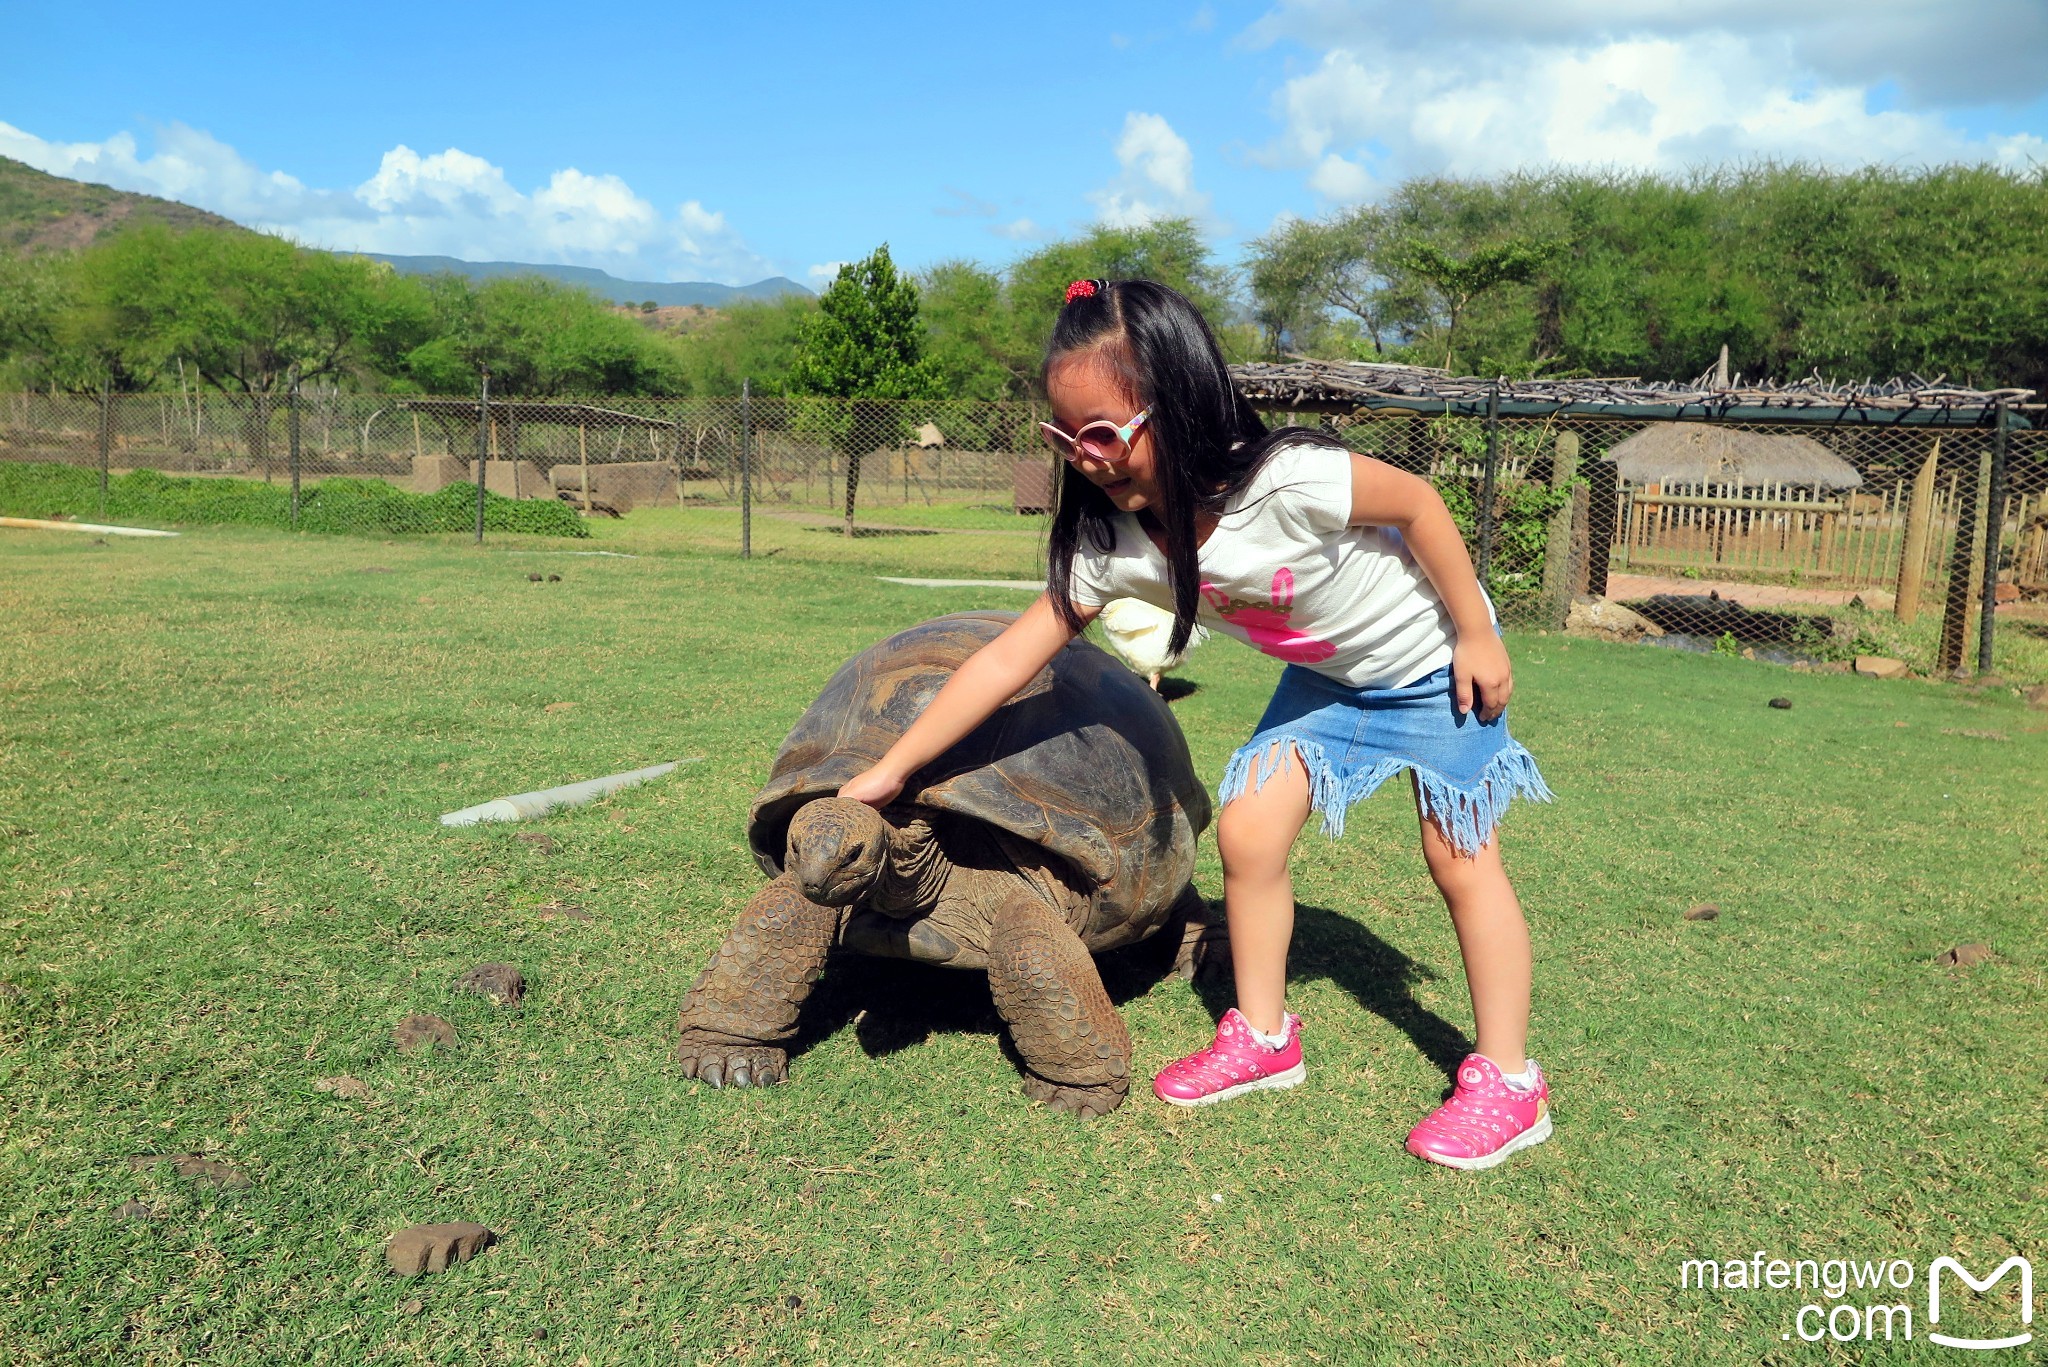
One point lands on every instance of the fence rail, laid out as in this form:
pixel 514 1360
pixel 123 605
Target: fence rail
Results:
pixel 962 487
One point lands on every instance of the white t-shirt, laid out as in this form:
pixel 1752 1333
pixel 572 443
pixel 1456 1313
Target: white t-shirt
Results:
pixel 1287 574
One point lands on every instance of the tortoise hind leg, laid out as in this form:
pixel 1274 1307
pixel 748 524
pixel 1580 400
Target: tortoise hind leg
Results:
pixel 744 1005
pixel 1074 1045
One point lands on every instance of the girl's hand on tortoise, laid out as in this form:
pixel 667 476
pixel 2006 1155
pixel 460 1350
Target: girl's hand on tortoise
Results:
pixel 876 787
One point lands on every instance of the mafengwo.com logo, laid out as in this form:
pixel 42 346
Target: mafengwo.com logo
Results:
pixel 1865 1301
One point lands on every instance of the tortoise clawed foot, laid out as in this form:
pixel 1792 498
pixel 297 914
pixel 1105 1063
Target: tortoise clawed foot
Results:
pixel 1087 1102
pixel 736 1065
pixel 1204 954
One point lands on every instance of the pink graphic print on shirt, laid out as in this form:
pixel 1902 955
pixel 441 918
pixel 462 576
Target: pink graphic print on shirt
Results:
pixel 1266 623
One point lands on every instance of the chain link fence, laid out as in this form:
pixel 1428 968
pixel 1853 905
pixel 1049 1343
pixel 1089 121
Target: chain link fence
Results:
pixel 1802 543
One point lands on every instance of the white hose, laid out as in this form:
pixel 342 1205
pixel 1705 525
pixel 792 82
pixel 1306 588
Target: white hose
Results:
pixel 526 806
pixel 37 524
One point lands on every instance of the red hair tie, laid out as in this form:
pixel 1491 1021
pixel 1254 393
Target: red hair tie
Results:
pixel 1080 289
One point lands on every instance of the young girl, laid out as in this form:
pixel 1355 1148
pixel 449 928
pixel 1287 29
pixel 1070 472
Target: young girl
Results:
pixel 1351 571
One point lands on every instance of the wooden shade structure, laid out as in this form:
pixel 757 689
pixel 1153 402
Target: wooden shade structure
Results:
pixel 1703 453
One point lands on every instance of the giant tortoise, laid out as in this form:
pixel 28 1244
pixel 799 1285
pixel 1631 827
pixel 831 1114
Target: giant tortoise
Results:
pixel 1065 825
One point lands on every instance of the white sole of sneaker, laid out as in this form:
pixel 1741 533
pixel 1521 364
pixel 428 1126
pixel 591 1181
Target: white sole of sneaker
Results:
pixel 1293 1077
pixel 1527 1139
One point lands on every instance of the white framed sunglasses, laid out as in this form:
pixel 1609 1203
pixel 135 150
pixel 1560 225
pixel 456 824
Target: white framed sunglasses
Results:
pixel 1101 440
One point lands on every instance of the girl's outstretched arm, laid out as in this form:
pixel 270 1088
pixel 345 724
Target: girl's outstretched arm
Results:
pixel 989 678
pixel 1382 496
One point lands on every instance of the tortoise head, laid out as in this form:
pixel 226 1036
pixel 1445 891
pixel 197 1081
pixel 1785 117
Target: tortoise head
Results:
pixel 837 850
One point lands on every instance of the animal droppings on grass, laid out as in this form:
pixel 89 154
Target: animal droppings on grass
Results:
pixel 535 578
pixel 502 983
pixel 562 706
pixel 542 843
pixel 794 1302
pixel 435 1248
pixel 554 579
pixel 1705 911
pixel 412 1307
pixel 1964 956
pixel 420 1031
pixel 134 1210
pixel 563 911
pixel 223 1175
pixel 346 1087
pixel 1782 704
pixel 374 569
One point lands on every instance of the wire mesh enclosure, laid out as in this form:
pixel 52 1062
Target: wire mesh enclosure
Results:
pixel 1743 529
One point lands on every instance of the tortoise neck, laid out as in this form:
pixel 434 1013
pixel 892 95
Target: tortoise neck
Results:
pixel 913 871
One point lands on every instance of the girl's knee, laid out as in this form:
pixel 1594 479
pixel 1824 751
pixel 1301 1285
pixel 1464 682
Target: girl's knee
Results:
pixel 1255 831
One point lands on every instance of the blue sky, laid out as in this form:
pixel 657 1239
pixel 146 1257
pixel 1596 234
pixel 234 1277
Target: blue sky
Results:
pixel 720 142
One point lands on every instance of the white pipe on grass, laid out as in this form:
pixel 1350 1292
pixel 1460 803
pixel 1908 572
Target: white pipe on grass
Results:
pixel 526 806
pixel 37 524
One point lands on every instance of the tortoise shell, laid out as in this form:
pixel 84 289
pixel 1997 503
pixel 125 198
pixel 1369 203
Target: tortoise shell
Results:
pixel 1086 762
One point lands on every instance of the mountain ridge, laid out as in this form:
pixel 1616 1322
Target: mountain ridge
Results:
pixel 601 283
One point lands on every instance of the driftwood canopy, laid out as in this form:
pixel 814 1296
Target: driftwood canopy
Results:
pixel 1349 386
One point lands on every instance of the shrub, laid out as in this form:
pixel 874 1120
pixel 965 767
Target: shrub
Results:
pixel 343 506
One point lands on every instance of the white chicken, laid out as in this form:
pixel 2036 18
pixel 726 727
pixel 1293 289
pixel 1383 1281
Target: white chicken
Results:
pixel 1139 633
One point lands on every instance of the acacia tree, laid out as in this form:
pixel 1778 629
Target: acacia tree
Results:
pixel 865 345
pixel 1458 282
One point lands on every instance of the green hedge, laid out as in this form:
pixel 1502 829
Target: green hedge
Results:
pixel 347 506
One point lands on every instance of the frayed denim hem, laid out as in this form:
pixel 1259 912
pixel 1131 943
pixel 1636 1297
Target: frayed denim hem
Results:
pixel 1467 817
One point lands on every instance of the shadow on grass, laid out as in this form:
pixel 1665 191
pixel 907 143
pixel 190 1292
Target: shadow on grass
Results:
pixel 894 1004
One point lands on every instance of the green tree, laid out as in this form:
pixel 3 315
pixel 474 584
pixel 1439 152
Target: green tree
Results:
pixel 1457 282
pixel 746 340
pixel 968 333
pixel 540 339
pixel 865 344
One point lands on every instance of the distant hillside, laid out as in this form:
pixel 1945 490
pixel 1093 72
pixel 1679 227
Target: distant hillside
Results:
pixel 41 212
pixel 600 283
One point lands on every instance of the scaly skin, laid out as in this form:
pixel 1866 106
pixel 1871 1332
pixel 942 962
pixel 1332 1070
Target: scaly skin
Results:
pixel 745 1002
pixel 1060 1016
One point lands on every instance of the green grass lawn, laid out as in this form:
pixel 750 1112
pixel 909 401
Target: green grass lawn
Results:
pixel 221 878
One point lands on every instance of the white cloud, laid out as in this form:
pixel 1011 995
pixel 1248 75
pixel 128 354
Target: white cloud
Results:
pixel 1477 87
pixel 1157 180
pixel 1017 230
pixel 825 272
pixel 449 203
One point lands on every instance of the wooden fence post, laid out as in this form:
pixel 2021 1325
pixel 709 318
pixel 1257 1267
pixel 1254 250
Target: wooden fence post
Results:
pixel 1557 546
pixel 1994 532
pixel 1955 615
pixel 1913 558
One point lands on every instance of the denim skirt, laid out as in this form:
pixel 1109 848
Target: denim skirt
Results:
pixel 1351 740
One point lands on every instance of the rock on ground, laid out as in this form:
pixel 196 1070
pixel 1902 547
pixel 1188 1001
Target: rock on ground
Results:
pixel 435 1248
pixel 420 1031
pixel 502 983
pixel 1598 618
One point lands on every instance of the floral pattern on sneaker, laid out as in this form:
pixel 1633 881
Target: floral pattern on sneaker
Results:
pixel 1235 1063
pixel 1485 1120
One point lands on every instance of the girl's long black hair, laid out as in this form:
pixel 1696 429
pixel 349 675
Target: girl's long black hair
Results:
pixel 1208 442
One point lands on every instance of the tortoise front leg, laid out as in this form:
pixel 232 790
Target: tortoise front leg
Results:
pixel 745 1002
pixel 1075 1047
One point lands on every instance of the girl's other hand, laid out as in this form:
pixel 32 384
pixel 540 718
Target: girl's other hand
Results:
pixel 1480 674
pixel 875 787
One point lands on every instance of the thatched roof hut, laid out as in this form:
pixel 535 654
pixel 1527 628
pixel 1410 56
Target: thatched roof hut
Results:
pixel 1703 453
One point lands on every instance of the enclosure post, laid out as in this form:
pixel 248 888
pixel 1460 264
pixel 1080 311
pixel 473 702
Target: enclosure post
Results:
pixel 106 436
pixel 292 436
pixel 1913 557
pixel 583 460
pixel 1955 616
pixel 1557 546
pixel 1994 530
pixel 746 469
pixel 483 448
pixel 1485 520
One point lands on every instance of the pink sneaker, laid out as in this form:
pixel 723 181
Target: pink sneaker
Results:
pixel 1233 1065
pixel 1485 1120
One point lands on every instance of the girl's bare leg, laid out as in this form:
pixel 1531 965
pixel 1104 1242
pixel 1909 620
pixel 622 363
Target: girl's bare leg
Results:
pixel 1493 938
pixel 1254 835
